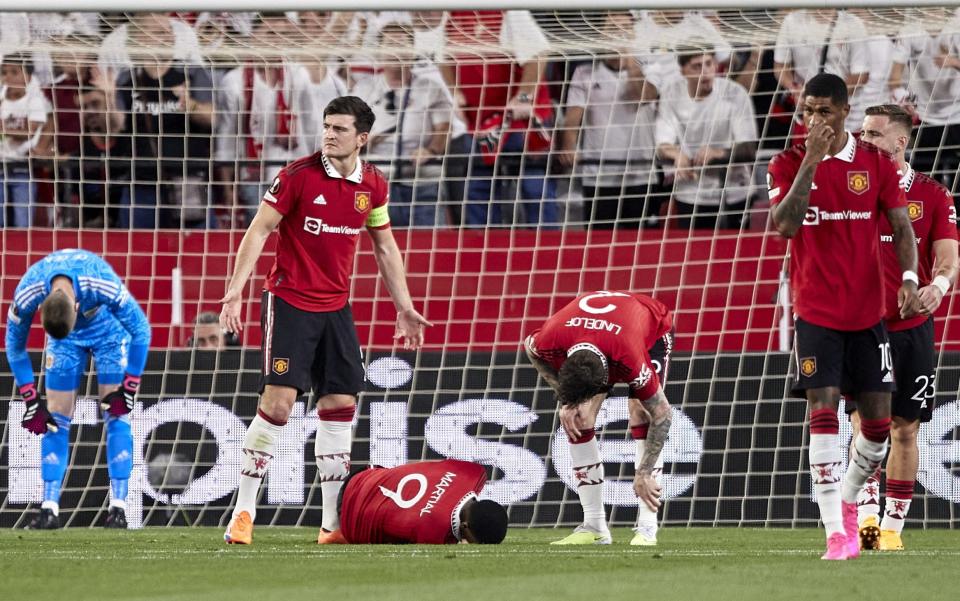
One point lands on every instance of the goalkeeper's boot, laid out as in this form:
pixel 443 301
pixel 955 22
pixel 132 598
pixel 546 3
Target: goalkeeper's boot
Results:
pixel 870 534
pixel 585 536
pixel 45 520
pixel 116 518
pixel 890 541
pixel 837 548
pixel 240 530
pixel 331 538
pixel 645 535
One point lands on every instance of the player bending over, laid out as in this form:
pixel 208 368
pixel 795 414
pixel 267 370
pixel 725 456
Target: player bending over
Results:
pixel 934 220
pixel 428 503
pixel 85 310
pixel 598 340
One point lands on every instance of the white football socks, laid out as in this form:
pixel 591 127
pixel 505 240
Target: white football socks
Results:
pixel 332 452
pixel 825 469
pixel 588 475
pixel 259 446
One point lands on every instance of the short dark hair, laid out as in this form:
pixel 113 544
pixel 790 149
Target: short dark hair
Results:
pixel 207 317
pixel 58 315
pixel 690 51
pixel 581 376
pixel 827 85
pixel 895 113
pixel 487 521
pixel 19 58
pixel 352 105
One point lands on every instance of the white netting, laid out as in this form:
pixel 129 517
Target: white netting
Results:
pixel 592 202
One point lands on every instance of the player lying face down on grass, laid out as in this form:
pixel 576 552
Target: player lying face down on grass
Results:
pixel 598 340
pixel 429 503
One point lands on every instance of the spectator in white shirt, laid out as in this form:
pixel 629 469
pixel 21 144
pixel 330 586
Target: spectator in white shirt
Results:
pixel 706 129
pixel 149 34
pixel 926 76
pixel 660 32
pixel 263 106
pixel 823 40
pixel 414 111
pixel 23 115
pixel 607 132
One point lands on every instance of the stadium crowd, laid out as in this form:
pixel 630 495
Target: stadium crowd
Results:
pixel 183 120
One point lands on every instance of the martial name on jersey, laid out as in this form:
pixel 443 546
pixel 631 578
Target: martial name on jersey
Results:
pixel 323 215
pixel 835 270
pixel 933 217
pixel 618 325
pixel 413 503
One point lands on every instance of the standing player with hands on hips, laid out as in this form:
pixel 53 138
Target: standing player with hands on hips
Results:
pixel 318 205
pixel 934 219
pixel 829 197
pixel 85 310
pixel 598 340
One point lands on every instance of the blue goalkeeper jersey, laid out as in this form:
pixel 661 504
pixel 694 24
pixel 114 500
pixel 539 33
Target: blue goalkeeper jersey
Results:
pixel 102 297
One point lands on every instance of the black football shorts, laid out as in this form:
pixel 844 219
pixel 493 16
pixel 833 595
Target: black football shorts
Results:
pixel 309 350
pixel 914 369
pixel 857 361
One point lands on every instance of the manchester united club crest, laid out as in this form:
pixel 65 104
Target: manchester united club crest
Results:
pixel 914 209
pixel 361 201
pixel 858 182
pixel 281 366
pixel 808 366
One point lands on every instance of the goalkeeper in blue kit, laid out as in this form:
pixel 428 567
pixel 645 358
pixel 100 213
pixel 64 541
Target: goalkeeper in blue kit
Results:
pixel 85 309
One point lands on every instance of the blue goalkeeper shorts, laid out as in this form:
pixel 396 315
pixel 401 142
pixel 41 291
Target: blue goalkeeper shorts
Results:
pixel 66 359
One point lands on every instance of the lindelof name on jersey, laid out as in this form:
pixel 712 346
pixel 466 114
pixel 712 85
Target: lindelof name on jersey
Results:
pixel 316 226
pixel 592 323
pixel 814 216
pixel 438 491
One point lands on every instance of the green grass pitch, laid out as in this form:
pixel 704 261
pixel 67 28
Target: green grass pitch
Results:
pixel 285 564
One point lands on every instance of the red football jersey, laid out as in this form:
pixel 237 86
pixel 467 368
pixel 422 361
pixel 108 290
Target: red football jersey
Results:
pixel 835 268
pixel 413 503
pixel 323 215
pixel 621 325
pixel 934 217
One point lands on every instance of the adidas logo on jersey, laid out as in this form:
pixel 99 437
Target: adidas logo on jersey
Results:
pixel 320 200
pixel 888 377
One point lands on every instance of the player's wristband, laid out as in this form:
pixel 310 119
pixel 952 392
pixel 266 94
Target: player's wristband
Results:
pixel 941 282
pixel 911 276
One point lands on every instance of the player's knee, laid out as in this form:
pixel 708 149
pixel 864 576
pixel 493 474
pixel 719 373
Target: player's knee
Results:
pixel 277 402
pixel 904 432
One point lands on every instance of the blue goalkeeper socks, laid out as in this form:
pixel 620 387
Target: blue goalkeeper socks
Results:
pixel 54 459
pixel 119 457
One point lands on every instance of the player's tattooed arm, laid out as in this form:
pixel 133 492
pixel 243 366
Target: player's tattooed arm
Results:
pixel 661 416
pixel 905 245
pixel 543 368
pixel 645 484
pixel 788 214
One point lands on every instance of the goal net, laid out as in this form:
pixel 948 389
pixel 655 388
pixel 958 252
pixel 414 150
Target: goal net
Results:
pixel 151 138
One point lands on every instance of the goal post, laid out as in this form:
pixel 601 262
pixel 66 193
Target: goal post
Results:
pixel 737 449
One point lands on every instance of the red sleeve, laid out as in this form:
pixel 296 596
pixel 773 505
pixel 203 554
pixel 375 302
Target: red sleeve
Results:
pixel 944 226
pixel 891 189
pixel 780 175
pixel 645 381
pixel 283 192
